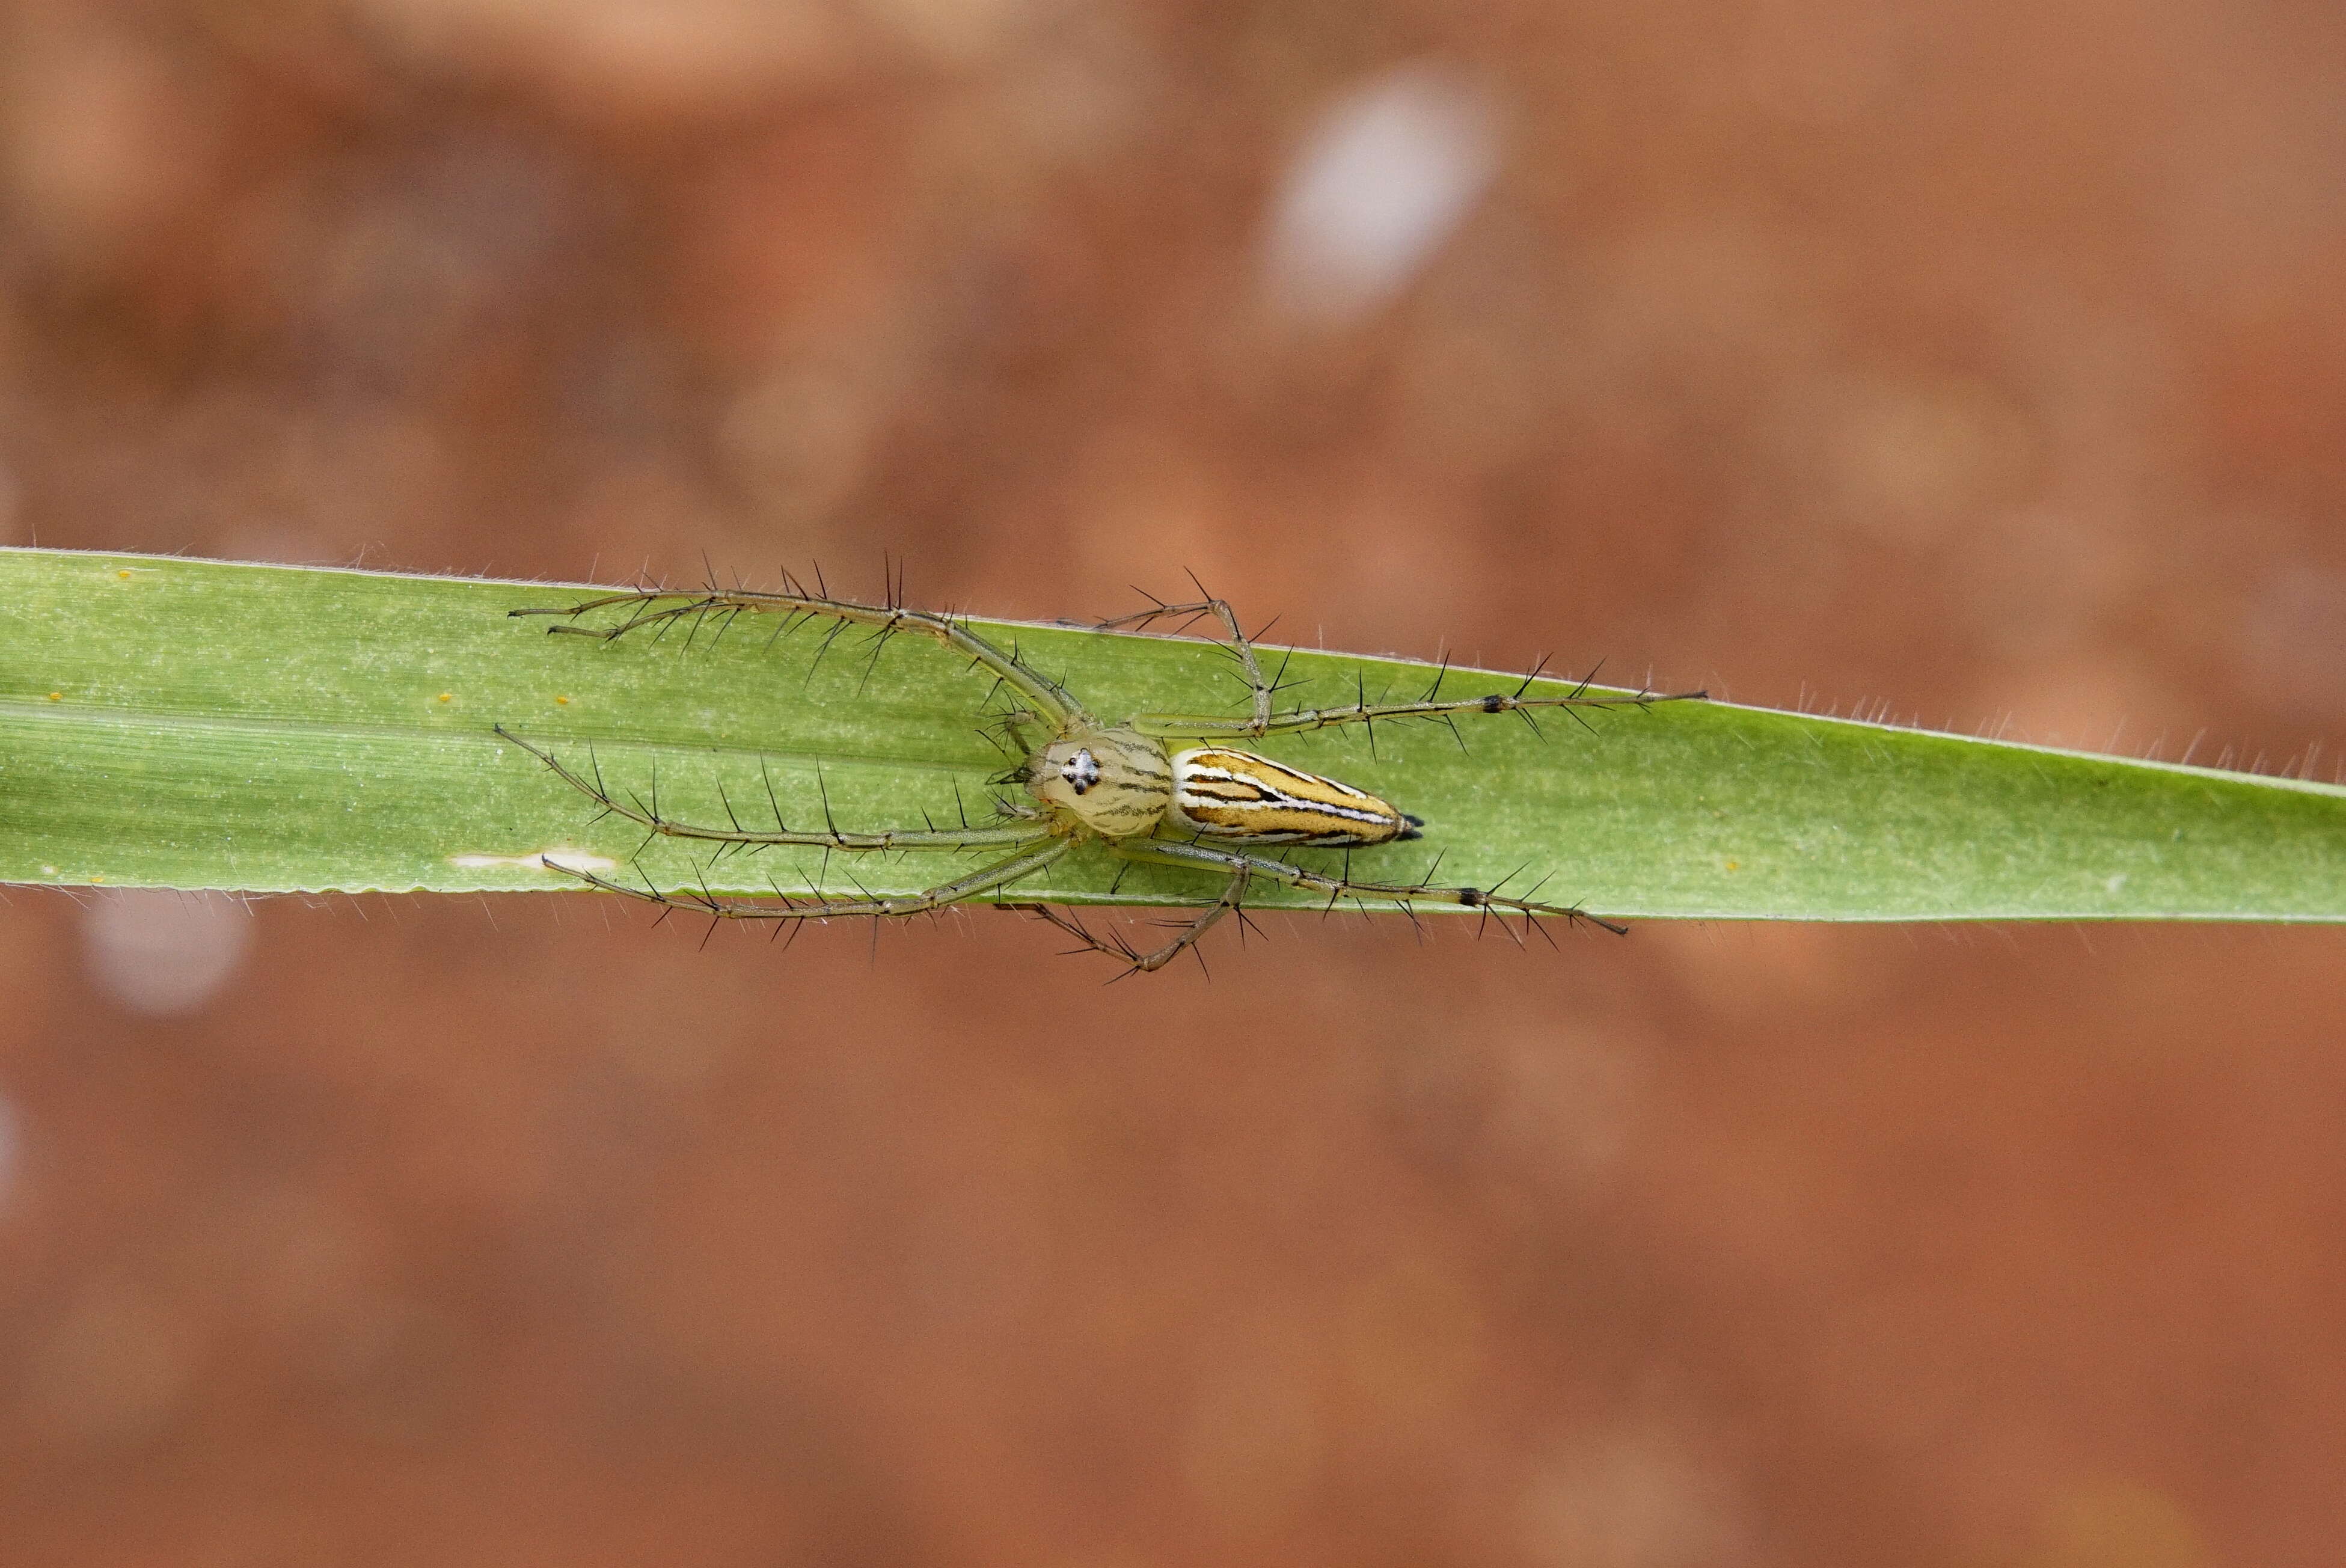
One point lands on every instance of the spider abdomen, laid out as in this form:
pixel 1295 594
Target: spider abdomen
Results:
pixel 1223 793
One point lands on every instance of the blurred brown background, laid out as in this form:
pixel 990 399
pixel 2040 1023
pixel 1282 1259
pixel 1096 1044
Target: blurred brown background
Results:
pixel 1984 363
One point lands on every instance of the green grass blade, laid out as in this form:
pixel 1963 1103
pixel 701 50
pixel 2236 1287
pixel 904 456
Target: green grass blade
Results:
pixel 195 724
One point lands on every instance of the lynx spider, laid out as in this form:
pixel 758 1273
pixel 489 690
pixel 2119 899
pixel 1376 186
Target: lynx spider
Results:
pixel 1204 805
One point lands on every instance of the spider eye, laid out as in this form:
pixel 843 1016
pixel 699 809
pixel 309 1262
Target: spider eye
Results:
pixel 1081 771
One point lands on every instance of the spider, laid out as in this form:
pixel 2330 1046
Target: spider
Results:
pixel 1153 789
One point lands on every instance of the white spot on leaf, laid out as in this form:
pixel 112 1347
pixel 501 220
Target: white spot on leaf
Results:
pixel 567 859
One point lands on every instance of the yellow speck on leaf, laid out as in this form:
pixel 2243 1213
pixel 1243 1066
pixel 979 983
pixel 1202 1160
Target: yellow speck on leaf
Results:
pixel 447 696
pixel 124 574
pixel 57 697
pixel 563 701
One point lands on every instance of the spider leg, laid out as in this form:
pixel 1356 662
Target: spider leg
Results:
pixel 659 824
pixel 1241 646
pixel 1582 698
pixel 1114 944
pixel 1117 946
pixel 662 609
pixel 1024 863
pixel 1238 862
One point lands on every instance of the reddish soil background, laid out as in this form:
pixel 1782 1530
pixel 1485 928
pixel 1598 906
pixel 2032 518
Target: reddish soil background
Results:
pixel 1987 363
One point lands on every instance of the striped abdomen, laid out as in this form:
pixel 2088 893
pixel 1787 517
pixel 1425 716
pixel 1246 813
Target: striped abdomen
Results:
pixel 1219 793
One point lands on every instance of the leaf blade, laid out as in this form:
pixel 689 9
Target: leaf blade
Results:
pixel 169 722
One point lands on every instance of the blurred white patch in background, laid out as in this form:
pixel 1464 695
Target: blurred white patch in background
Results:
pixel 1383 177
pixel 162 952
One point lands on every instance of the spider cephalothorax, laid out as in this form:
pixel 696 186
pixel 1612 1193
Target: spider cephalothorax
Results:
pixel 1116 782
pixel 1155 789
